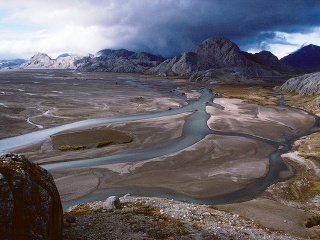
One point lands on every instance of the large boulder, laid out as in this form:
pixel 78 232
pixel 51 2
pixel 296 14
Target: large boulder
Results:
pixel 111 203
pixel 30 205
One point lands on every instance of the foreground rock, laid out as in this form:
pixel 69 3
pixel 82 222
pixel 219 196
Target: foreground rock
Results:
pixel 30 206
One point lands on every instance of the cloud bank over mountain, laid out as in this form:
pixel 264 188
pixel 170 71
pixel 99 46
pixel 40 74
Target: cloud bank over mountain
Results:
pixel 161 27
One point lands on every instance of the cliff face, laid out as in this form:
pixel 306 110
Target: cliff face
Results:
pixel 219 59
pixel 30 206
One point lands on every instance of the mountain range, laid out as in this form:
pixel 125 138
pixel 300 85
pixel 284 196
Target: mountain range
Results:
pixel 121 60
pixel 42 60
pixel 214 60
pixel 220 60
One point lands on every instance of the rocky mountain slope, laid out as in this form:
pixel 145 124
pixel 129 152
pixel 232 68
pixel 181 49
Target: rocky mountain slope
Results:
pixel 106 60
pixel 214 60
pixel 42 60
pixel 306 84
pixel 308 57
pixel 219 59
pixel 266 58
pixel 121 60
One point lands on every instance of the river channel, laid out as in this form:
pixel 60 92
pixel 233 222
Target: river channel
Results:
pixel 194 130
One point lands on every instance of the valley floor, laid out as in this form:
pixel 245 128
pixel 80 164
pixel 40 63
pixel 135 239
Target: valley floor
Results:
pixel 225 163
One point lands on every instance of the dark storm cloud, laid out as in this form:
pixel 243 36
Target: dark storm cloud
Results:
pixel 170 27
pixel 166 27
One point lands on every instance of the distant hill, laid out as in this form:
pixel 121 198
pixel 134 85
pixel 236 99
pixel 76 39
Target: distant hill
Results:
pixel 42 60
pixel 107 60
pixel 11 63
pixel 308 57
pixel 121 60
pixel 63 55
pixel 220 60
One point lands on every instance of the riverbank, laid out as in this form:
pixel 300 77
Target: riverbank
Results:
pixel 32 100
pixel 272 212
pixel 264 211
pixel 214 166
pixel 301 193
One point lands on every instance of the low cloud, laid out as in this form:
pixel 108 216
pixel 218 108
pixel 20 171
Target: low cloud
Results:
pixel 162 27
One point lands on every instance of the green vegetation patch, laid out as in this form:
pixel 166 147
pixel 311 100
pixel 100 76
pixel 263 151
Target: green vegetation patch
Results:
pixel 303 101
pixel 309 147
pixel 82 209
pixel 71 147
pixel 268 95
pixel 261 95
pixel 314 186
pixel 88 138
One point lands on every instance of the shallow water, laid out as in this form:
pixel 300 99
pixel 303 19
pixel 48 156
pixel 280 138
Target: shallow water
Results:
pixel 194 130
pixel 37 136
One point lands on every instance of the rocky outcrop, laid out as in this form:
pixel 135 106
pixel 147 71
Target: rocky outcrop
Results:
pixel 111 203
pixel 30 206
pixel 220 52
pixel 219 59
pixel 121 60
pixel 306 84
pixel 42 60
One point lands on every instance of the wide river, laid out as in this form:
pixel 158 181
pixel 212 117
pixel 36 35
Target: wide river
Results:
pixel 195 129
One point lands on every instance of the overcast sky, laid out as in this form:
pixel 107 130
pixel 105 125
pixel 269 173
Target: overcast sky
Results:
pixel 166 27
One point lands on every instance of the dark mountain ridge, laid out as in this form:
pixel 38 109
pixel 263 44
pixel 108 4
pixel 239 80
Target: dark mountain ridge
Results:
pixel 221 60
pixel 214 60
pixel 121 60
pixel 307 57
